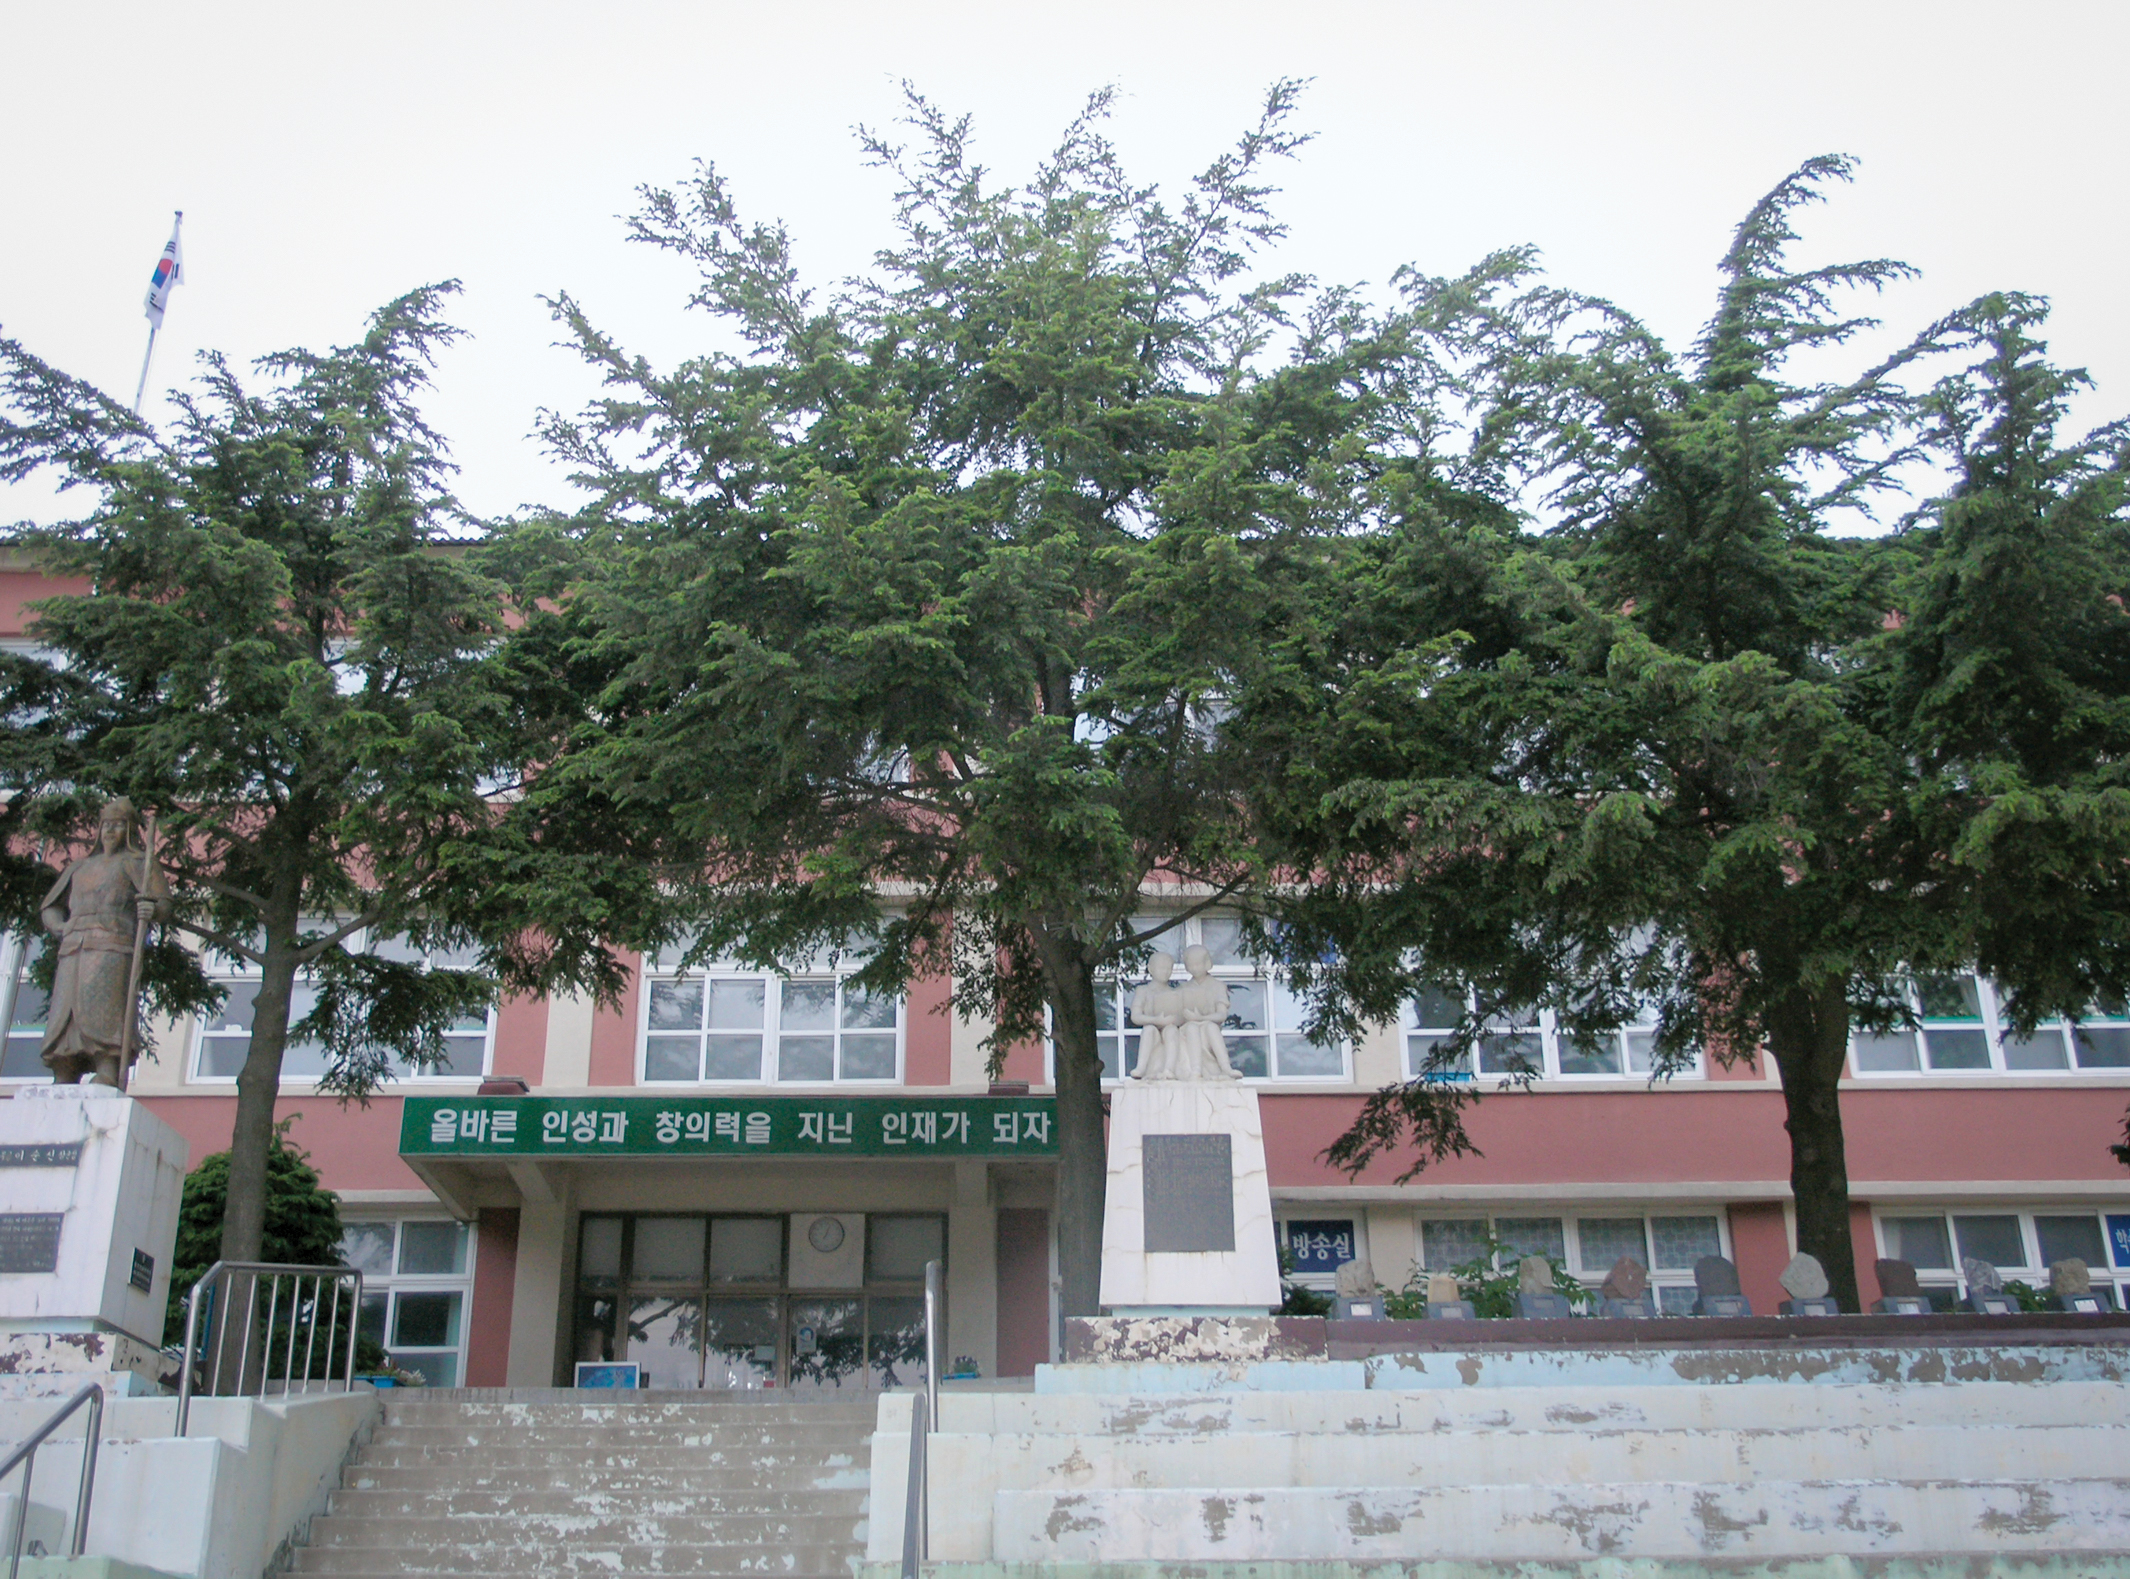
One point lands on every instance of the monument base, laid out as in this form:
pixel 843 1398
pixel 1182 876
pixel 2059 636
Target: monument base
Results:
pixel 1187 1228
pixel 90 1183
pixel 60 1364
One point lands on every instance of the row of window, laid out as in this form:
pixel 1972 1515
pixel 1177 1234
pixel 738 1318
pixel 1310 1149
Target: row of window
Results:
pixel 1668 1245
pixel 2020 1244
pixel 716 1025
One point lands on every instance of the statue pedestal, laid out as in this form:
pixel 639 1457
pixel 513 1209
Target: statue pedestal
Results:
pixel 90 1183
pixel 1188 1225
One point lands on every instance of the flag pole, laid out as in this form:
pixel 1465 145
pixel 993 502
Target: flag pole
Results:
pixel 145 360
pixel 158 295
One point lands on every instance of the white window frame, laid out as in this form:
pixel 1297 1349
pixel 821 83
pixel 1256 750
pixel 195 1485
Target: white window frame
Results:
pixel 1680 1280
pixel 772 1028
pixel 1187 934
pixel 14 960
pixel 1993 1026
pixel 1414 1038
pixel 228 973
pixel 2035 1273
pixel 394 1283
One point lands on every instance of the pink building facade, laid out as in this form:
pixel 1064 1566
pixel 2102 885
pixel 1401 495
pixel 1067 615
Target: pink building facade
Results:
pixel 734 1178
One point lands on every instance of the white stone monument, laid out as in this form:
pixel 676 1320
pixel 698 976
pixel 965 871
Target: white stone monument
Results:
pixel 90 1183
pixel 1187 1230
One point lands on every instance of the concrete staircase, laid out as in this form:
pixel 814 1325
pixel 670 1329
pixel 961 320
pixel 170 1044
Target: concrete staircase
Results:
pixel 1682 1477
pixel 533 1483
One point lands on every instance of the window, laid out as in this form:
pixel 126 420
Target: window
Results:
pixel 224 1039
pixel 1264 1025
pixel 718 1025
pixel 416 1286
pixel 1668 1246
pixel 1518 1042
pixel 714 1302
pixel 2019 1244
pixel 25 1029
pixel 1962 1030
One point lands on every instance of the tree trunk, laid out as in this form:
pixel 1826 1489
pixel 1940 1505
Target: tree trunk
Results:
pixel 1808 1037
pixel 1083 1153
pixel 258 1084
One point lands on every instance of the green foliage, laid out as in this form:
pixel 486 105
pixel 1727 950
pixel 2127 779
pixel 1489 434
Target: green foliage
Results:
pixel 2030 1298
pixel 302 1219
pixel 1297 1299
pixel 1675 761
pixel 954 583
pixel 291 655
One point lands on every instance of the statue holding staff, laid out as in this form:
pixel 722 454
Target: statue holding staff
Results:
pixel 101 908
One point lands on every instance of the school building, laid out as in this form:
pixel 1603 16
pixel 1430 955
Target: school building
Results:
pixel 735 1177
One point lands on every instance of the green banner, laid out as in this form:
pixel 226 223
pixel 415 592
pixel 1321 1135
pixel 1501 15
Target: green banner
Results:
pixel 752 1126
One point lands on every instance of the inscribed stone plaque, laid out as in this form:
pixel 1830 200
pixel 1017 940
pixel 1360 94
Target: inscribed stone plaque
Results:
pixel 1189 1184
pixel 40 1156
pixel 29 1241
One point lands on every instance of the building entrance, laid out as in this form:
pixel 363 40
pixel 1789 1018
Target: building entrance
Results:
pixel 811 1302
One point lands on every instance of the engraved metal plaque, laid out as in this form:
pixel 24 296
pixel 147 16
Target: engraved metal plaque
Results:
pixel 1189 1184
pixel 29 1241
pixel 40 1156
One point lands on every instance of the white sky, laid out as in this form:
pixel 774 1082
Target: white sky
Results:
pixel 329 158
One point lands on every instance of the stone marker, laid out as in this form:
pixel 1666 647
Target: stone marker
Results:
pixel 1804 1277
pixel 1534 1275
pixel 2070 1277
pixel 1897 1279
pixel 1982 1276
pixel 1442 1289
pixel 1355 1280
pixel 1715 1276
pixel 1628 1279
pixel 1189 1187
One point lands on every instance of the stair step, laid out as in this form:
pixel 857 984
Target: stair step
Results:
pixel 782 1560
pixel 675 1460
pixel 544 1531
pixel 697 1478
pixel 602 1501
pixel 1758 1522
pixel 1295 1459
pixel 544 1434
pixel 554 1489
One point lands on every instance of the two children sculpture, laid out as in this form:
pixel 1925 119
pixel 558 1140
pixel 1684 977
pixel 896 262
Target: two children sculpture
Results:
pixel 1180 1036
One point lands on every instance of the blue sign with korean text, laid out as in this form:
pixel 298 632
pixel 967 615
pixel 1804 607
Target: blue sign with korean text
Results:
pixel 2119 1240
pixel 1326 1246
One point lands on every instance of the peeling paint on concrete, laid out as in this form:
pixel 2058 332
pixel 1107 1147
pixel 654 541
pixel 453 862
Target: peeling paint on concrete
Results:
pixel 2036 1514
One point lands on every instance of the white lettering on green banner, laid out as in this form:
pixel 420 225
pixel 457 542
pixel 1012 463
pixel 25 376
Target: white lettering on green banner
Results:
pixel 728 1126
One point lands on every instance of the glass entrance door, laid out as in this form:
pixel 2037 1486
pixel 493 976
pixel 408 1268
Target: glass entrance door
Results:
pixel 703 1302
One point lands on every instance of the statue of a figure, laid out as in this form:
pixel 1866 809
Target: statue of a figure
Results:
pixel 1202 1040
pixel 1157 1009
pixel 1180 1035
pixel 98 908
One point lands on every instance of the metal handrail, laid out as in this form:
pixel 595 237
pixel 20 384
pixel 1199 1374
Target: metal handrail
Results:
pixel 924 1419
pixel 219 1275
pixel 26 1456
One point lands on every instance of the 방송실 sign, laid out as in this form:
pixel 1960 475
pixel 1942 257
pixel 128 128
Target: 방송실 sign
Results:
pixel 751 1126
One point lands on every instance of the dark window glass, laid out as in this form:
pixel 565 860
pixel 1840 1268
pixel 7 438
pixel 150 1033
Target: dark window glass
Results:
pixel 1957 1049
pixel 897 1247
pixel 2103 1047
pixel 2063 1238
pixel 1992 1239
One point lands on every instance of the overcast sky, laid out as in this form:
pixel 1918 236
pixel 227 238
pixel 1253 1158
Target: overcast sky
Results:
pixel 329 158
